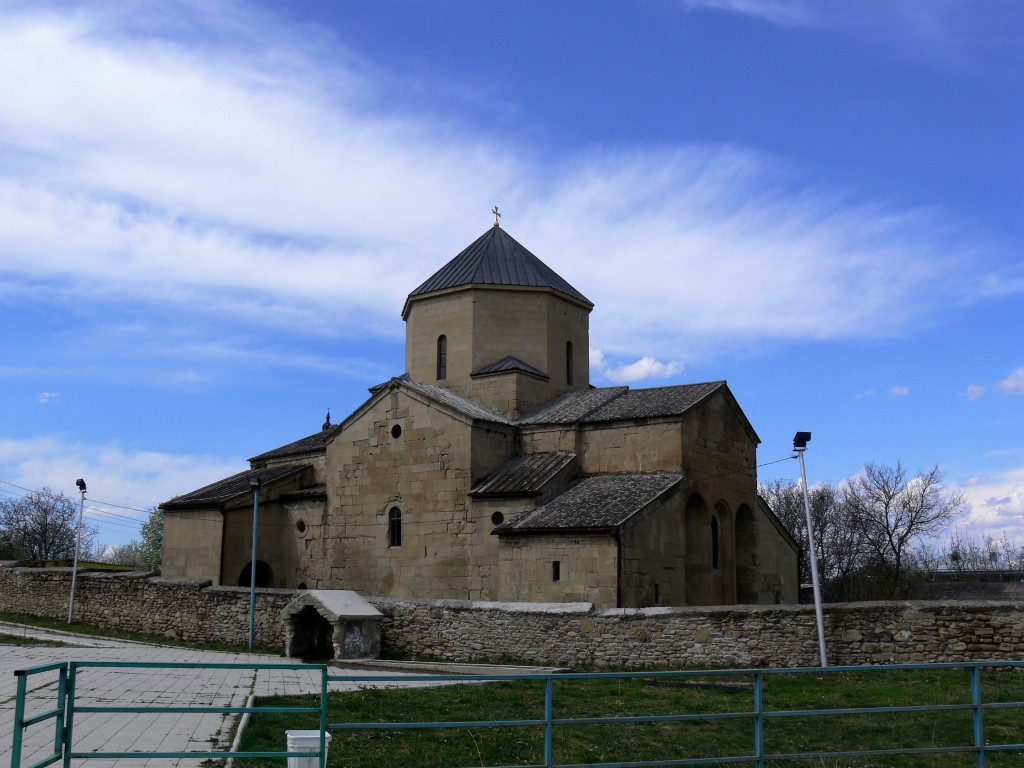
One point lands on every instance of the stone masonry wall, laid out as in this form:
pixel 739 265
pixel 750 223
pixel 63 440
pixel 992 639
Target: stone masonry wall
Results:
pixel 569 634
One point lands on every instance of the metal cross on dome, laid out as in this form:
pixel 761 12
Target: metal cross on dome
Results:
pixel 496 215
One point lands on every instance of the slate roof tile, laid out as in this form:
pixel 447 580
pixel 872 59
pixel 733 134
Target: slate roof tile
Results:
pixel 572 406
pixel 656 401
pixel 313 443
pixel 224 490
pixel 524 475
pixel 509 363
pixel 496 258
pixel 598 501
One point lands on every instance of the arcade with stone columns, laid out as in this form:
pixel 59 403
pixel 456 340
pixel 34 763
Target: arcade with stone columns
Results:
pixel 492 470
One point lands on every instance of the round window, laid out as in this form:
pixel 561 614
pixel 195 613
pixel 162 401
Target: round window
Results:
pixel 300 526
pixel 497 518
pixel 396 431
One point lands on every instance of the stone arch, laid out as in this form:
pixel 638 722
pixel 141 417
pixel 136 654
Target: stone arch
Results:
pixel 698 546
pixel 746 555
pixel 724 575
pixel 264 575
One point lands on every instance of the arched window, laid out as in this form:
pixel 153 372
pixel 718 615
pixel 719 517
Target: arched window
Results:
pixel 442 357
pixel 568 362
pixel 395 526
pixel 715 555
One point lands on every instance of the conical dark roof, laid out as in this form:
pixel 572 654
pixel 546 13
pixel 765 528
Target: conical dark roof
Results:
pixel 496 258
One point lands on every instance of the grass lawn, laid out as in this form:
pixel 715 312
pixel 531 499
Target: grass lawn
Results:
pixel 662 741
pixel 20 640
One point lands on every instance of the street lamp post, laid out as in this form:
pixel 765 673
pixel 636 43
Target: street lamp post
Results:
pixel 800 441
pixel 254 483
pixel 78 545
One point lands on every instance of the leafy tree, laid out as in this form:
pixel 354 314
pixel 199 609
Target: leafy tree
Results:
pixel 145 553
pixel 892 511
pixel 43 525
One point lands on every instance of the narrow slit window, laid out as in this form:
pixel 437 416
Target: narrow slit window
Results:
pixel 442 358
pixel 395 527
pixel 556 570
pixel 568 362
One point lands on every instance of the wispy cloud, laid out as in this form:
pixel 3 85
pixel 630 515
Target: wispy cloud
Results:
pixel 48 397
pixel 899 391
pixel 114 472
pixel 1013 384
pixel 250 186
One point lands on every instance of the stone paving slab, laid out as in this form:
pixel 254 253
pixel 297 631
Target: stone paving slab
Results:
pixel 136 687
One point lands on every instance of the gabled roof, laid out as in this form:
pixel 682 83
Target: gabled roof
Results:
pixel 524 475
pixel 495 258
pixel 656 401
pixel 315 443
pixel 217 493
pixel 440 395
pixel 600 502
pixel 572 406
pixel 509 363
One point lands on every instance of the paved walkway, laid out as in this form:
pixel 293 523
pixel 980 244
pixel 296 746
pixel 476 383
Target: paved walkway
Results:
pixel 140 687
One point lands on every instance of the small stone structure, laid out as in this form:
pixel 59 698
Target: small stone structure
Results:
pixel 331 623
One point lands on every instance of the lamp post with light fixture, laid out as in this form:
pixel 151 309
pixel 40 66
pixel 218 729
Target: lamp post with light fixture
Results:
pixel 800 441
pixel 78 545
pixel 254 483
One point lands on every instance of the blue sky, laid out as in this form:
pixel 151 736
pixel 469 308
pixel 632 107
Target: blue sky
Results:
pixel 211 213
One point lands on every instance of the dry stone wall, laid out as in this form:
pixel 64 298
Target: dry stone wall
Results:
pixel 570 634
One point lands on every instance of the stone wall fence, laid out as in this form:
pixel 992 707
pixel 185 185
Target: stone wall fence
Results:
pixel 566 634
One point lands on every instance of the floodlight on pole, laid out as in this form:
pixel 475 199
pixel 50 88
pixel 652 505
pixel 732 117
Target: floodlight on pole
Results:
pixel 78 545
pixel 800 441
pixel 254 483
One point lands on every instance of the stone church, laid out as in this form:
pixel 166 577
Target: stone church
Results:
pixel 493 470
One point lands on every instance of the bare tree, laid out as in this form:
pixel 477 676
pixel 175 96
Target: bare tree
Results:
pixel 840 545
pixel 43 525
pixel 891 511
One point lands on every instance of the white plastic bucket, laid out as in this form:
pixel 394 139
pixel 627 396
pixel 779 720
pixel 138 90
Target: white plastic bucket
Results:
pixel 306 741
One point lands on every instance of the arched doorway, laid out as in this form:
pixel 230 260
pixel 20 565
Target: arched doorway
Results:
pixel 746 555
pixel 264 575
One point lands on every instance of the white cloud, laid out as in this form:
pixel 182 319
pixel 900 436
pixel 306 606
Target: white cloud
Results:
pixel 996 505
pixel 899 391
pixel 974 391
pixel 273 189
pixel 1013 384
pixel 865 394
pixel 644 368
pixel 113 472
pixel 48 397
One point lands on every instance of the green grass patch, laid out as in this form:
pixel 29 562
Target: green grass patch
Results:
pixel 676 740
pixel 6 639
pixel 79 628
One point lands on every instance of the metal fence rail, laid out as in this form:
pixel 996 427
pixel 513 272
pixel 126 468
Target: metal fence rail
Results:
pixel 758 714
pixel 65 708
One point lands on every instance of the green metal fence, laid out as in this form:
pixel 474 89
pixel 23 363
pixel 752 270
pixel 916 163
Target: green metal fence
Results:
pixel 978 745
pixel 65 708
pixel 758 715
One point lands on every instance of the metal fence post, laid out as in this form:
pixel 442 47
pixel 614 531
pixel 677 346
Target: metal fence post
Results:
pixel 19 716
pixel 62 702
pixel 759 719
pixel 69 712
pixel 979 727
pixel 548 725
pixel 323 716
